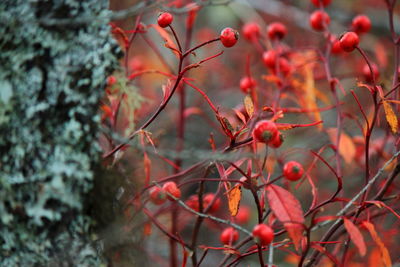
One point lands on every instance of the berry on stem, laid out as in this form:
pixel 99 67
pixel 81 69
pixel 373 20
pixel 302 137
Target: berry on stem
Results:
pixel 269 58
pixel 247 84
pixel 319 20
pixel 336 48
pixel 263 234
pixel 276 30
pixel 164 19
pixel 361 24
pixel 293 170
pixel 349 41
pixel 229 37
pixel 193 203
pixel 111 80
pixel 229 236
pixel 265 131
pixel 243 215
pixel 277 141
pixel 207 200
pixel 318 3
pixel 173 189
pixel 251 31
pixel 157 195
pixel 284 66
pixel 367 72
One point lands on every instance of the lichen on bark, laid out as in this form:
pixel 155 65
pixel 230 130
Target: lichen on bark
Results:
pixel 51 80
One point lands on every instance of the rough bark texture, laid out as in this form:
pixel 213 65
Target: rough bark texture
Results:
pixel 51 80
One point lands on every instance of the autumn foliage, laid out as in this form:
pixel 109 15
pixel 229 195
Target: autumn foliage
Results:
pixel 293 130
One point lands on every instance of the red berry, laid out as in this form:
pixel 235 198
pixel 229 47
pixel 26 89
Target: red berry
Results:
pixel 277 141
pixel 229 37
pixel 251 31
pixel 229 236
pixel 173 189
pixel 361 24
pixel 247 84
pixel 164 19
pixel 367 72
pixel 207 200
pixel 111 80
pixel 276 30
pixel 318 3
pixel 157 195
pixel 193 203
pixel 293 170
pixel 319 20
pixel 349 41
pixel 269 58
pixel 263 234
pixel 336 48
pixel 284 66
pixel 243 215
pixel 265 131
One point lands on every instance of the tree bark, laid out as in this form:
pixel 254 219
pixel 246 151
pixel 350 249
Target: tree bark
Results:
pixel 52 77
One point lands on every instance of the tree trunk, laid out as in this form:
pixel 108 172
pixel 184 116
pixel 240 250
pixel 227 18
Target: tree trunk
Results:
pixel 55 56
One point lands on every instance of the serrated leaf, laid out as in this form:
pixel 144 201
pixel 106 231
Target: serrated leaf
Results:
pixel 248 104
pixel 234 197
pixel 287 209
pixel 385 256
pixel 390 116
pixel 355 236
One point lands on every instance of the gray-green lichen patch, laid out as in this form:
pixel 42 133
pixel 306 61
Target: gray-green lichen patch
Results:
pixel 51 80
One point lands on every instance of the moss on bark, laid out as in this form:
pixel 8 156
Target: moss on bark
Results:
pixel 51 80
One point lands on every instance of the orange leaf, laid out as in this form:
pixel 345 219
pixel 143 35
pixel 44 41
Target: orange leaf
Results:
pixel 248 104
pixel 384 252
pixel 288 210
pixel 240 115
pixel 355 236
pixel 370 89
pixel 393 101
pixel 310 93
pixel 347 149
pixel 375 258
pixel 147 168
pixel 234 197
pixel 390 116
pixel 288 126
pixel 271 78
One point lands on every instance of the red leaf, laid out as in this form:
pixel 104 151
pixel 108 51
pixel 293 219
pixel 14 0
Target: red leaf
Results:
pixel 288 210
pixel 385 256
pixel 355 236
